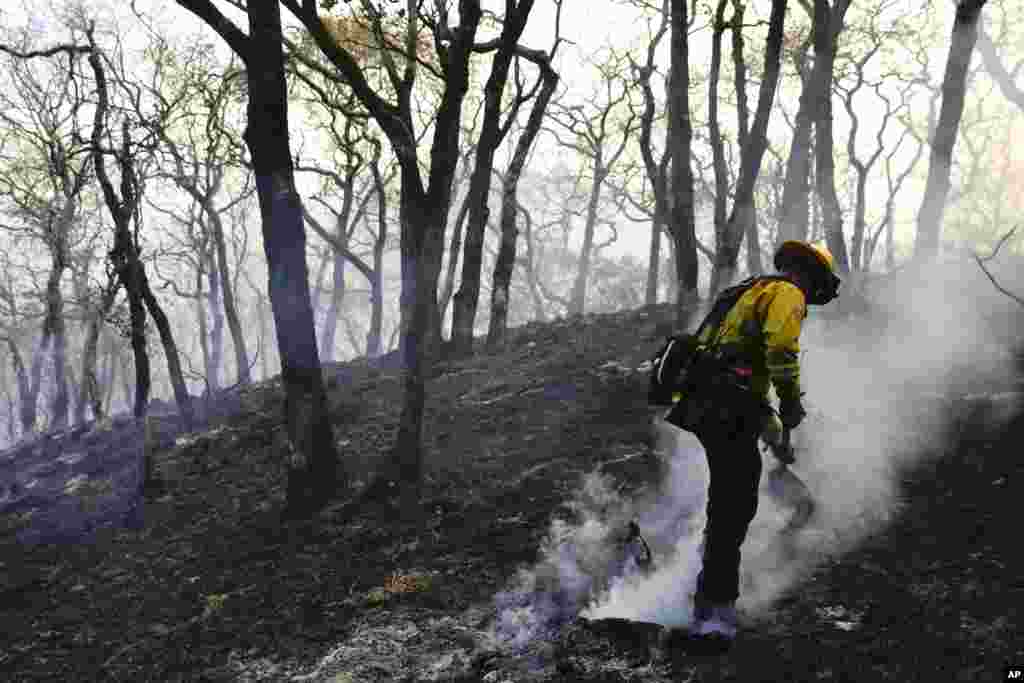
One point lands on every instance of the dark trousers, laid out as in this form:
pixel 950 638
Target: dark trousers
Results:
pixel 735 464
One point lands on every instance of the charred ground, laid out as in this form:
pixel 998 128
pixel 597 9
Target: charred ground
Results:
pixel 214 587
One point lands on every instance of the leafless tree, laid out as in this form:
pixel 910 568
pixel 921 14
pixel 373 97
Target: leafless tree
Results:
pixel 743 210
pixel 598 132
pixel 493 131
pixel 679 143
pixel 505 259
pixel 424 206
pixel 656 168
pixel 995 65
pixel 929 218
pixel 312 454
pixel 43 187
pixel 125 211
pixel 828 23
pixel 193 97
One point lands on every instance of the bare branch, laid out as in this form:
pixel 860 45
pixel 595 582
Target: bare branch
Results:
pixel 336 244
pixel 49 52
pixel 982 261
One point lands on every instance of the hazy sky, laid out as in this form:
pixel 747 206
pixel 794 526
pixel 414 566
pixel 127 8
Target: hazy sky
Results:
pixel 588 26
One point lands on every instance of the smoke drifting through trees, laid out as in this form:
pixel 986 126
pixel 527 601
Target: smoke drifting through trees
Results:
pixel 394 83
pixel 880 400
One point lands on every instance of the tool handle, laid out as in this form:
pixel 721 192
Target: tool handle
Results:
pixel 784 452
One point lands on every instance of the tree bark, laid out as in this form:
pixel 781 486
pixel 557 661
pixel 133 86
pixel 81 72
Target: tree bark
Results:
pixel 504 264
pixel 578 297
pixel 680 136
pixel 754 266
pixel 215 345
pixel 828 22
pixel 11 418
pixel 126 380
pixel 330 327
pixel 792 214
pixel 373 335
pixel 244 374
pixel 321 276
pixel 261 316
pixel 744 210
pixel 90 392
pixel 329 331
pixel 954 85
pixel 55 323
pixel 126 263
pixel 423 208
pixel 721 172
pixel 654 261
pixel 530 271
pixel 423 218
pixel 163 327
pixel 657 171
pixel 454 248
pixel 125 254
pixel 491 135
pixel 54 319
pixel 861 243
pixel 312 458
pixel 204 335
pixel 26 400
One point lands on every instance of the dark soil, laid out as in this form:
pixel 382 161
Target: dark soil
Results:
pixel 203 581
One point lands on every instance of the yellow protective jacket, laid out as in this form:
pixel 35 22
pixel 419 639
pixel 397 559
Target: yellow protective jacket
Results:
pixel 763 329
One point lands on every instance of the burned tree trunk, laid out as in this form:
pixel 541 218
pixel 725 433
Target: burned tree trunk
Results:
pixel 126 264
pixel 954 85
pixel 721 172
pixel 578 295
pixel 754 265
pixel 744 210
pixel 214 346
pixel 424 206
pixel 491 135
pixel 828 22
pixel 373 335
pixel 221 297
pixel 792 214
pixel 657 171
pixel 26 401
pixel 55 323
pixel 530 271
pixel 505 263
pixel 680 136
pixel 125 254
pixel 454 246
pixel 163 327
pixel 89 389
pixel 328 333
pixel 312 454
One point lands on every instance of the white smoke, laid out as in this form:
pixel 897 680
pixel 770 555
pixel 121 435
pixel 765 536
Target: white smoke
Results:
pixel 879 398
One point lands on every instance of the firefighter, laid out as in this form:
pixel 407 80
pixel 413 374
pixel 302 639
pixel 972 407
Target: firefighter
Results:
pixel 754 347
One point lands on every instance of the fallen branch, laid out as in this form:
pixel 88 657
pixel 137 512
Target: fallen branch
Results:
pixel 982 261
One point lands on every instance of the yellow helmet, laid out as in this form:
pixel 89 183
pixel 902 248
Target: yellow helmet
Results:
pixel 816 261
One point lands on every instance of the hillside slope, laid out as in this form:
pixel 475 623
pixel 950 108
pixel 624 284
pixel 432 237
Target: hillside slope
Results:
pixel 207 584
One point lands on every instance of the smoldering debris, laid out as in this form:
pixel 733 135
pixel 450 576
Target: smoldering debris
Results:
pixel 880 398
pixel 877 404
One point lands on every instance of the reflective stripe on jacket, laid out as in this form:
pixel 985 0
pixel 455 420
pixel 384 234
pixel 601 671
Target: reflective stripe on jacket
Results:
pixel 763 330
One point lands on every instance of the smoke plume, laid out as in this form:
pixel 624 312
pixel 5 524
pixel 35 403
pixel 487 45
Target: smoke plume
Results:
pixel 881 389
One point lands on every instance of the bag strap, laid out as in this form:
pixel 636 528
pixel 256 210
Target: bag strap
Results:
pixel 730 296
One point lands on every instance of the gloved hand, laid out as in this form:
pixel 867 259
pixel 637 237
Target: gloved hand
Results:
pixel 791 410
